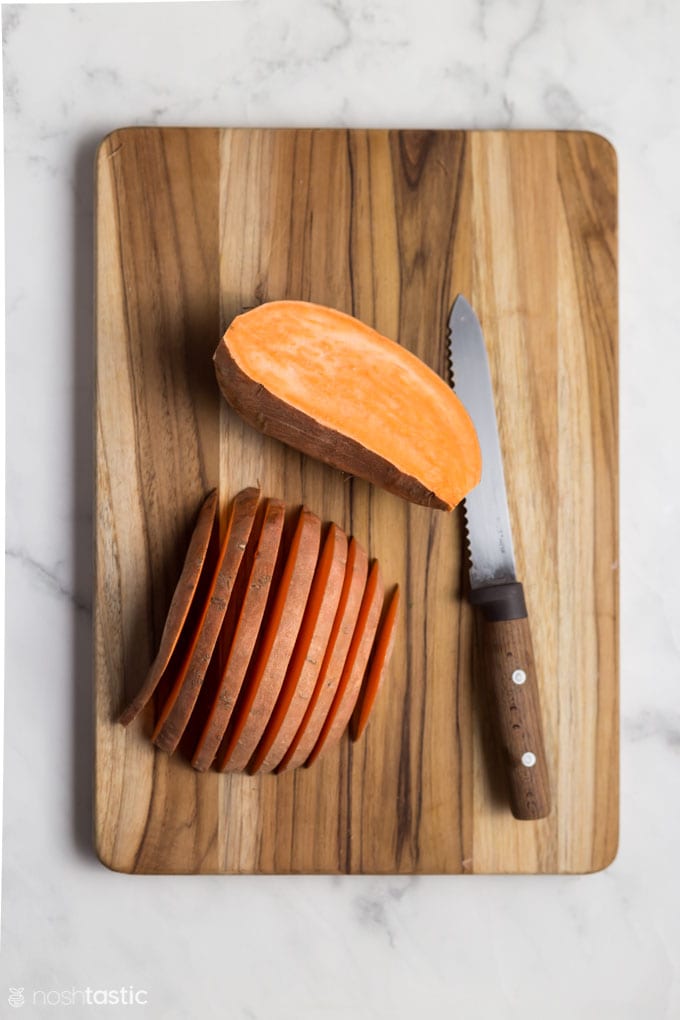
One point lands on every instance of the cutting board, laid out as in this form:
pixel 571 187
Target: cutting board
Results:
pixel 192 226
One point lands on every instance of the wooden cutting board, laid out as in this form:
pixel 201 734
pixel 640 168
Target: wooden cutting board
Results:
pixel 194 225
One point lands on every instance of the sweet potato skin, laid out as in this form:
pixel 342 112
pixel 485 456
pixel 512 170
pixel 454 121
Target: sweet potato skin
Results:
pixel 271 416
pixel 185 592
pixel 308 655
pixel 177 711
pixel 355 665
pixel 321 701
pixel 245 634
pixel 280 630
pixel 377 667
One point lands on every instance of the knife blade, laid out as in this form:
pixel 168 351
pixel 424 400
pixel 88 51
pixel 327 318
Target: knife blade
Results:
pixel 507 651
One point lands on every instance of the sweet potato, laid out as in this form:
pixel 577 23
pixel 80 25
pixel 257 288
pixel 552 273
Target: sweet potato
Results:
pixel 337 390
pixel 245 634
pixel 339 642
pixel 377 667
pixel 355 665
pixel 179 607
pixel 266 641
pixel 175 715
pixel 307 658
pixel 280 630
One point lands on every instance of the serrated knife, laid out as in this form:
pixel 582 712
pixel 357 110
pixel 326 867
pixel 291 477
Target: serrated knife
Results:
pixel 494 588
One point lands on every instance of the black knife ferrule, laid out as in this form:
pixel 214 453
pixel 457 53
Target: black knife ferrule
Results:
pixel 503 601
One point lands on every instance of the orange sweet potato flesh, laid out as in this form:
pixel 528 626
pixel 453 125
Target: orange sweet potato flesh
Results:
pixel 179 607
pixel 353 588
pixel 305 664
pixel 355 665
pixel 377 667
pixel 179 706
pixel 337 390
pixel 245 635
pixel 270 661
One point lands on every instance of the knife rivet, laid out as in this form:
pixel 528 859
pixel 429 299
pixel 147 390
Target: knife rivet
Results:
pixel 528 759
pixel 519 676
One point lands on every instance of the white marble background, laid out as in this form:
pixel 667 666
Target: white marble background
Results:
pixel 603 947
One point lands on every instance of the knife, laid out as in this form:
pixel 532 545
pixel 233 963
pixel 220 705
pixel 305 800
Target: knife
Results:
pixel 494 588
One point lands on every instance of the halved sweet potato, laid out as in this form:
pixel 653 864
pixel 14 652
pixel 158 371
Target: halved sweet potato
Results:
pixel 307 658
pixel 179 606
pixel 377 666
pixel 339 642
pixel 245 635
pixel 334 388
pixel 177 709
pixel 265 678
pixel 355 666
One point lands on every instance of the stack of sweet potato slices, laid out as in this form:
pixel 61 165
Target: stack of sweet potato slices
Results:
pixel 276 641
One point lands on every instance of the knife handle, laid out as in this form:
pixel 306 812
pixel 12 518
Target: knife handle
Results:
pixel 509 660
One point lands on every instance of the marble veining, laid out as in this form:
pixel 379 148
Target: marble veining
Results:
pixel 601 947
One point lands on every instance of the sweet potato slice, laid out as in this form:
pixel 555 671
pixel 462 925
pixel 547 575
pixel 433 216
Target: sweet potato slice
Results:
pixel 306 660
pixel 239 654
pixel 270 661
pixel 350 683
pixel 177 709
pixel 334 660
pixel 377 667
pixel 179 606
pixel 337 390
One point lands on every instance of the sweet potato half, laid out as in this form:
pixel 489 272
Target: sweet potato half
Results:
pixel 337 390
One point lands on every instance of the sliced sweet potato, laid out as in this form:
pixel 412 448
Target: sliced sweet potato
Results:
pixel 306 660
pixel 179 606
pixel 247 628
pixel 355 666
pixel 337 390
pixel 177 709
pixel 377 667
pixel 265 678
pixel 334 660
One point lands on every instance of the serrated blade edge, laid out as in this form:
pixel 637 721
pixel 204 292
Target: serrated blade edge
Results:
pixel 487 520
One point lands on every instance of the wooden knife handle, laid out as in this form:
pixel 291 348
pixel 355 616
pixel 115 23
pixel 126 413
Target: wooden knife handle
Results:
pixel 509 661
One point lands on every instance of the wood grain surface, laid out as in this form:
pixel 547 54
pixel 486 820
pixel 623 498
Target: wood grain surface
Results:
pixel 194 225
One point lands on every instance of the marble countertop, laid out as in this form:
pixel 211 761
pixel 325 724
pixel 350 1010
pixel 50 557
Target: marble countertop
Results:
pixel 600 946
